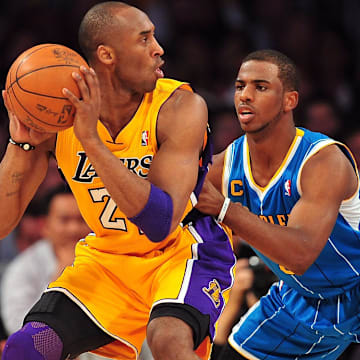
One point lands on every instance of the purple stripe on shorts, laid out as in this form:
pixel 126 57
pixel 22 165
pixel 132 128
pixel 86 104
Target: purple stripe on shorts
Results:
pixel 212 271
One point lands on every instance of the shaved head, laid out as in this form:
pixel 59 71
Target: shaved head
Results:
pixel 96 25
pixel 118 41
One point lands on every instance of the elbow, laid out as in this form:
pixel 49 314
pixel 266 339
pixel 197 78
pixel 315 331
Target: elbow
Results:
pixel 7 229
pixel 10 219
pixel 301 256
pixel 303 268
pixel 158 232
pixel 299 270
pixel 299 264
pixel 4 233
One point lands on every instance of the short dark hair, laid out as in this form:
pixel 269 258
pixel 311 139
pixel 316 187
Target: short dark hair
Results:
pixel 40 204
pixel 95 26
pixel 61 189
pixel 288 73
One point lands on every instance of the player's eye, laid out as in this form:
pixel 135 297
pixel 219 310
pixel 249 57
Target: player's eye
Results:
pixel 261 87
pixel 239 86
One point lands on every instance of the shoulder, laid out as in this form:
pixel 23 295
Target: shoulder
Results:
pixel 328 153
pixel 183 110
pixel 182 99
pixel 330 167
pixel 180 95
pixel 324 153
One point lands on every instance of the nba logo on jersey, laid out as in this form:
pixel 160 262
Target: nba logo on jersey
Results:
pixel 287 187
pixel 145 138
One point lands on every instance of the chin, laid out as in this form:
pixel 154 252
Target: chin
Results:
pixel 150 86
pixel 253 129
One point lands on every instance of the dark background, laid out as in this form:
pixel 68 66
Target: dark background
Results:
pixel 205 40
pixel 204 43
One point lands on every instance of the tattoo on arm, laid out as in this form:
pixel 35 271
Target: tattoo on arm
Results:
pixel 12 193
pixel 17 177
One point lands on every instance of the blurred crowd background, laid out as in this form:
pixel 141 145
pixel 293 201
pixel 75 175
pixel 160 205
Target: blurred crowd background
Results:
pixel 204 42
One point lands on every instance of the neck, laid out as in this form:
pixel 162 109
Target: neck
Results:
pixel 117 110
pixel 118 106
pixel 115 117
pixel 268 150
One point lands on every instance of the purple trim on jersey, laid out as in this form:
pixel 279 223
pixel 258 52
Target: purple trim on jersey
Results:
pixel 212 271
pixel 206 158
pixel 155 218
pixel 35 341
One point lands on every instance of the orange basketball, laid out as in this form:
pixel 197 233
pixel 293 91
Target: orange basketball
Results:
pixel 34 85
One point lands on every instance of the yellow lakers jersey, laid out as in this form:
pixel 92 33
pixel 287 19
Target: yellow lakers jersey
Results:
pixel 135 146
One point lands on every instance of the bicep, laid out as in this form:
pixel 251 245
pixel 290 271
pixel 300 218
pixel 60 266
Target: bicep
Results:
pixel 175 166
pixel 316 211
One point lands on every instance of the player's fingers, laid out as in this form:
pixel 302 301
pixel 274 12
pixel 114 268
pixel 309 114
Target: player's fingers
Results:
pixel 91 80
pixel 82 85
pixel 71 97
pixel 8 106
pixel 96 81
pixel 6 101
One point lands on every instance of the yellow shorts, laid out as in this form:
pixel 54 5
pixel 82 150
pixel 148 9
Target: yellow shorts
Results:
pixel 118 291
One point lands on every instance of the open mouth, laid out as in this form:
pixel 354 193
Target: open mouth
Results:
pixel 245 115
pixel 159 73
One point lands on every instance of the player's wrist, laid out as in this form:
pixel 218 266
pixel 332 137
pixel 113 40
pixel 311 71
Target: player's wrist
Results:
pixel 155 218
pixel 223 210
pixel 25 146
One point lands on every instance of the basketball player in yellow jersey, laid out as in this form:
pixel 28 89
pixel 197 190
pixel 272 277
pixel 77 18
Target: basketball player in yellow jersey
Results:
pixel 132 162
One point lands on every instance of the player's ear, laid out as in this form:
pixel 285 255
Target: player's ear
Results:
pixel 105 54
pixel 291 99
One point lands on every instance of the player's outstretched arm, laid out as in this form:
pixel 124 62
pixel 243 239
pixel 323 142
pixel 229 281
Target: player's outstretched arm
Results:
pixel 21 171
pixel 311 221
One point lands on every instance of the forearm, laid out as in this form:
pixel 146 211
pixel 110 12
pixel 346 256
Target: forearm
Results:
pixel 286 246
pixel 123 185
pixel 20 174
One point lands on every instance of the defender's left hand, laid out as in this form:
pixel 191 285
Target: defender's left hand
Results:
pixel 210 199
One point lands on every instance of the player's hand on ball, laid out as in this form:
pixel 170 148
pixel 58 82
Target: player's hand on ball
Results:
pixel 88 105
pixel 20 132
